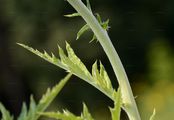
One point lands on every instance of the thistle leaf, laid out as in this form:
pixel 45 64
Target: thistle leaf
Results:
pixel 5 113
pixel 71 63
pixel 152 117
pixel 115 112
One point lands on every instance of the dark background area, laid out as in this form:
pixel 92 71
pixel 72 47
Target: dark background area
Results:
pixel 141 31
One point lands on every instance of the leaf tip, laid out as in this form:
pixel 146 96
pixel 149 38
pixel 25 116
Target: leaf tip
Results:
pixel 20 44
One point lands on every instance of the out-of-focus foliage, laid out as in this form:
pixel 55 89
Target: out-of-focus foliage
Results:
pixel 158 93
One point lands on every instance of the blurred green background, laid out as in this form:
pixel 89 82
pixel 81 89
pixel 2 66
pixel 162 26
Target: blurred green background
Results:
pixel 141 31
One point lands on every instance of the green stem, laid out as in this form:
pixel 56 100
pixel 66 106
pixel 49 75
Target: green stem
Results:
pixel 128 99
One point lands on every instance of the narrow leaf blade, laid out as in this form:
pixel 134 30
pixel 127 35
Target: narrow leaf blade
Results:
pixel 82 30
pixel 72 15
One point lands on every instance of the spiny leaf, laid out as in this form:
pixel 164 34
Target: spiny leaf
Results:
pixel 73 64
pixel 86 114
pixel 115 112
pixel 5 113
pixel 152 117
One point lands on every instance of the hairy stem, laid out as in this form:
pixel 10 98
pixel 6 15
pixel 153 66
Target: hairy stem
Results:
pixel 128 99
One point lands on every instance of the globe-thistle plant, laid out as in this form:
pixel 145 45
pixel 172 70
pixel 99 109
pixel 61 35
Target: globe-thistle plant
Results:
pixel 122 97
